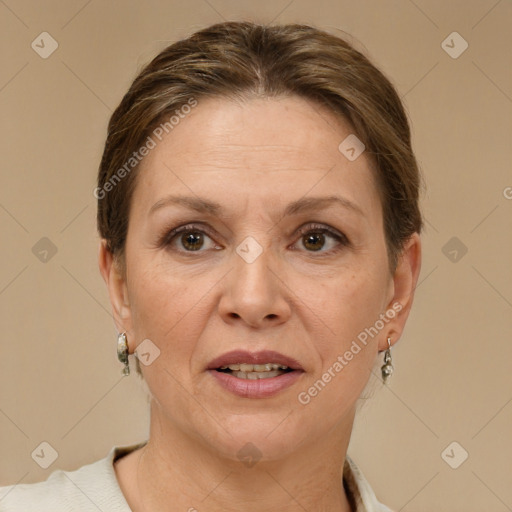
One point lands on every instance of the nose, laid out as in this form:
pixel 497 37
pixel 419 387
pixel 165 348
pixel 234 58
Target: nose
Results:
pixel 255 291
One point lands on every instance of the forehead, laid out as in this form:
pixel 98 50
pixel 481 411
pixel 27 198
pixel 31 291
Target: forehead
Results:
pixel 258 152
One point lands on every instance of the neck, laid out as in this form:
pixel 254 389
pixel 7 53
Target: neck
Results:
pixel 174 468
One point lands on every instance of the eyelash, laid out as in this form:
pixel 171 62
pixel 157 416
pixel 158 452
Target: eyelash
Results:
pixel 343 241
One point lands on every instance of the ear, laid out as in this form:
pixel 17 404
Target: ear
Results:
pixel 403 286
pixel 117 289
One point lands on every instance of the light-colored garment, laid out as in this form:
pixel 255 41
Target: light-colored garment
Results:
pixel 94 487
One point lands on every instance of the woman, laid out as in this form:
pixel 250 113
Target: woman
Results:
pixel 259 222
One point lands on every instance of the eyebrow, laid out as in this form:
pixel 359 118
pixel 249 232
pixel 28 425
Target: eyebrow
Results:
pixel 301 205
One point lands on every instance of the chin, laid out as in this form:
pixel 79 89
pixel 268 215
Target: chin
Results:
pixel 255 436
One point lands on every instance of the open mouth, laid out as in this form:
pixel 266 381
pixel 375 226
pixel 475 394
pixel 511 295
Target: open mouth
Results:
pixel 255 371
pixel 257 379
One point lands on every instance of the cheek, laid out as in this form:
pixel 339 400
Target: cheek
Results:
pixel 350 305
pixel 167 309
pixel 347 304
pixel 154 300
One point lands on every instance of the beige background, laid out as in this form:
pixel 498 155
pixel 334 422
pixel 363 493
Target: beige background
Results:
pixel 60 381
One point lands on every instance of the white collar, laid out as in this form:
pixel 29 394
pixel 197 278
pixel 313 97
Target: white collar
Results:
pixel 95 487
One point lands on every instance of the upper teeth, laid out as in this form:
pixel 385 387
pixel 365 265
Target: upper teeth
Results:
pixel 243 367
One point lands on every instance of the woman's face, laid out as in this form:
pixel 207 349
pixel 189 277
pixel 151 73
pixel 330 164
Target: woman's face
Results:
pixel 245 277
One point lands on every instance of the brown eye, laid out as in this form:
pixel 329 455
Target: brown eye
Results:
pixel 314 238
pixel 187 239
pixel 192 240
pixel 314 241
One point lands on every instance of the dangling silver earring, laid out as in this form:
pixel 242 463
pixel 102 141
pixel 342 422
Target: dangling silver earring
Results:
pixel 122 353
pixel 387 367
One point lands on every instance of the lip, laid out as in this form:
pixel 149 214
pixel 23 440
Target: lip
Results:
pixel 259 388
pixel 261 357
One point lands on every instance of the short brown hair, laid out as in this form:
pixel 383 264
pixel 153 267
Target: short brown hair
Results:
pixel 243 59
